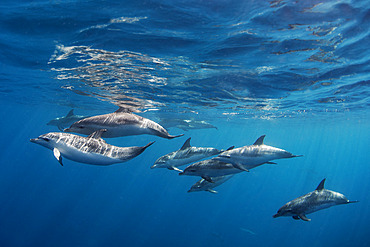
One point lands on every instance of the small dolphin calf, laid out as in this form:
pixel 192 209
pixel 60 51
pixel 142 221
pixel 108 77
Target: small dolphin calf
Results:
pixel 204 185
pixel 120 123
pixel 185 155
pixel 62 122
pixel 314 201
pixel 90 150
pixel 208 169
pixel 249 157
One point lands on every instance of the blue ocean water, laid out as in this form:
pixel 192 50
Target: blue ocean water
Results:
pixel 295 71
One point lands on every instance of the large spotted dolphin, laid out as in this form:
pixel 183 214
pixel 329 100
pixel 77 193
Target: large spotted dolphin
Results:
pixel 90 150
pixel 119 123
pixel 316 200
pixel 248 157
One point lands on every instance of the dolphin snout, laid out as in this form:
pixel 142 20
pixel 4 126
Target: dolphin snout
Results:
pixel 67 130
pixel 34 139
pixel 275 215
pixel 182 173
pixel 153 166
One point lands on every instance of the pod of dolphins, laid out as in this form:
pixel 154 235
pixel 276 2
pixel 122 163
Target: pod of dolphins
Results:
pixel 214 171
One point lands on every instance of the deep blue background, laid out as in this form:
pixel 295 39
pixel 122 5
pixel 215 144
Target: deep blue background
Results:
pixel 298 74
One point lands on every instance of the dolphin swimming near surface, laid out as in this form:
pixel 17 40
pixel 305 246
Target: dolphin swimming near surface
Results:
pixel 316 200
pixel 204 185
pixel 186 124
pixel 208 169
pixel 249 157
pixel 119 123
pixel 90 150
pixel 62 122
pixel 185 155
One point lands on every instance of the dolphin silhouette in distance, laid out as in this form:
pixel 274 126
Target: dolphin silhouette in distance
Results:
pixel 119 123
pixel 316 200
pixel 90 150
pixel 67 120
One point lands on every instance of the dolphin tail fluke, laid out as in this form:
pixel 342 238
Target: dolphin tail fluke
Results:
pixel 171 137
pixel 304 217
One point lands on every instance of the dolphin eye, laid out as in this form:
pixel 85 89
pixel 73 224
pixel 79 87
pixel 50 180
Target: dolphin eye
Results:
pixel 81 127
pixel 192 170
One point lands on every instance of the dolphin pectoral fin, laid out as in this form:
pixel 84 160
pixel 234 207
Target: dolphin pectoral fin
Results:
pixel 57 155
pixel 271 163
pixel 303 217
pixel 295 217
pixel 209 179
pixel 212 191
pixel 174 168
pixel 97 134
pixel 240 167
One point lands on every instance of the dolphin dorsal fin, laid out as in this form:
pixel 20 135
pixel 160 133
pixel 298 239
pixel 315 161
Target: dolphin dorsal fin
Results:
pixel 259 141
pixel 321 185
pixel 124 110
pixel 70 113
pixel 97 134
pixel 186 144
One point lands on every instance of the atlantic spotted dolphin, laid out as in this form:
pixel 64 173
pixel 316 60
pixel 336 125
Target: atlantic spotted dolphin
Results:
pixel 316 200
pixel 204 185
pixel 248 157
pixel 62 122
pixel 119 123
pixel 185 155
pixel 90 150
pixel 208 169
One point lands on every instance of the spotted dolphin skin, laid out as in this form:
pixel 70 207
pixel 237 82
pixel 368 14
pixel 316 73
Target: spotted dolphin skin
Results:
pixel 90 150
pixel 119 123
pixel 204 185
pixel 249 157
pixel 316 200
pixel 62 122
pixel 185 155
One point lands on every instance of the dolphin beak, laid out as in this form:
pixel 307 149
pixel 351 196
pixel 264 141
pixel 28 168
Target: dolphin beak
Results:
pixel 67 130
pixel 181 173
pixel 34 140
pixel 153 166
pixel 275 215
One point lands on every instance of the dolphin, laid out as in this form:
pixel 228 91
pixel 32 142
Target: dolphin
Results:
pixel 187 124
pixel 248 157
pixel 204 185
pixel 316 200
pixel 185 155
pixel 90 150
pixel 119 123
pixel 208 169
pixel 62 122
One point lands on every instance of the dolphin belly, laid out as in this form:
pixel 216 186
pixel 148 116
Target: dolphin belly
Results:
pixel 77 155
